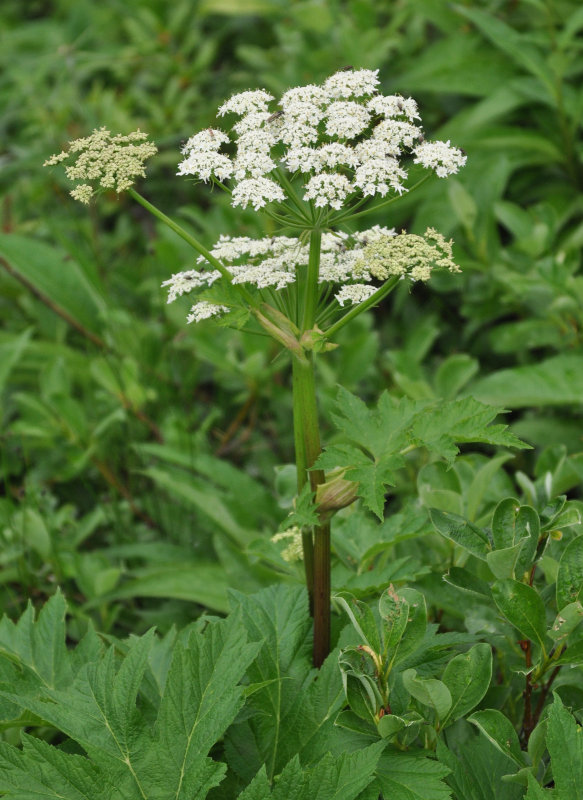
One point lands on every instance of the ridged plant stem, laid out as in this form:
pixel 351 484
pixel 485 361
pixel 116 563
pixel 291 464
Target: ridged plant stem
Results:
pixel 307 444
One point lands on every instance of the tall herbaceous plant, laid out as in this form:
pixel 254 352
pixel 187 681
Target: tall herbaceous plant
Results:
pixel 315 161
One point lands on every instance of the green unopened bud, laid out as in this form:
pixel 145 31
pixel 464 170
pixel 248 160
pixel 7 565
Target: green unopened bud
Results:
pixel 315 340
pixel 335 493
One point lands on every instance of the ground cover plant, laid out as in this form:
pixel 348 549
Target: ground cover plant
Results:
pixel 149 467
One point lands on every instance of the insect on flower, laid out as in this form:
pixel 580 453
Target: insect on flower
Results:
pixel 273 117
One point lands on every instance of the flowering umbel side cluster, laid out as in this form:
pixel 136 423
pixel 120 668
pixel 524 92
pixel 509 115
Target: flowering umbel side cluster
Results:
pixel 349 264
pixel 344 137
pixel 112 162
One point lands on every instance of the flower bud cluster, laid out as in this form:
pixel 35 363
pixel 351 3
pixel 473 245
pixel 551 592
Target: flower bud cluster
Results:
pixel 344 136
pixel 351 266
pixel 112 162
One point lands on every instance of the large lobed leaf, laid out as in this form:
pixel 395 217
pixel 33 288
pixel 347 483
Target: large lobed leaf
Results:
pixel 379 437
pixel 98 708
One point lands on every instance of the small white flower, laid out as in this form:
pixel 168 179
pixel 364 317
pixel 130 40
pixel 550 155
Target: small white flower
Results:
pixel 254 163
pixel 346 119
pixel 305 159
pixel 209 139
pixel 184 282
pixel 377 175
pixel 352 83
pixel 204 310
pixel 328 189
pixel 297 134
pixel 257 191
pixel 394 106
pixel 246 102
pixel 270 272
pixel 397 133
pixel 304 94
pixel 440 156
pixel 205 165
pixel 251 122
pixel 336 154
pixel 355 293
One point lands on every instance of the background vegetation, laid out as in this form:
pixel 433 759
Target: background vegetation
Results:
pixel 146 464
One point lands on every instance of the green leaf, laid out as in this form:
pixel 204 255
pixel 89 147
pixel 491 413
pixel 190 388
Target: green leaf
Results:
pixel 565 745
pixel 523 607
pixel 362 618
pixel 465 580
pixel 517 46
pixel 412 776
pixel 566 621
pixel 11 352
pixel 467 677
pixel 59 280
pixel 478 769
pixel 416 625
pixel 465 420
pixel 42 771
pixel 217 511
pixel 557 381
pixel 454 372
pixel 428 691
pixel 535 791
pixel 134 757
pixel 304 513
pixel 39 646
pixel 295 711
pixel 462 532
pixel 482 482
pixel 500 731
pixel 570 574
pixel 202 582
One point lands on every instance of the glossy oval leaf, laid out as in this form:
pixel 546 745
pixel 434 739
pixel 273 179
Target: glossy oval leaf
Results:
pixel 467 677
pixel 523 607
pixel 570 574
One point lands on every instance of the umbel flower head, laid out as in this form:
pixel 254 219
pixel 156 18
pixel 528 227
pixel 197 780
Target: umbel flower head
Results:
pixel 344 137
pixel 349 266
pixel 112 162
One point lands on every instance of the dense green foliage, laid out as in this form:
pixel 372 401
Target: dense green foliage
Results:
pixel 146 465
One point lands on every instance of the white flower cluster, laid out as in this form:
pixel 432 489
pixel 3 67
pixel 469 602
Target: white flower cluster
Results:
pixel 345 135
pixel 349 264
pixel 294 550
pixel 113 161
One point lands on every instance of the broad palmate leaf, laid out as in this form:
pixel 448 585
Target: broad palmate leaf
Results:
pixel 293 713
pixel 127 755
pixel 341 778
pixel 378 438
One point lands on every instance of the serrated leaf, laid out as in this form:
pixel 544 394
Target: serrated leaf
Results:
pixel 467 676
pixel 466 420
pixel 477 771
pixel 412 776
pixel 523 607
pixel 304 513
pixel 42 771
pixel 295 712
pixel 39 645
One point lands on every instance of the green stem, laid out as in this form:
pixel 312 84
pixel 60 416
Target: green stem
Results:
pixel 307 439
pixel 311 288
pixel 370 209
pixel 379 295
pixel 194 243
pixel 316 546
